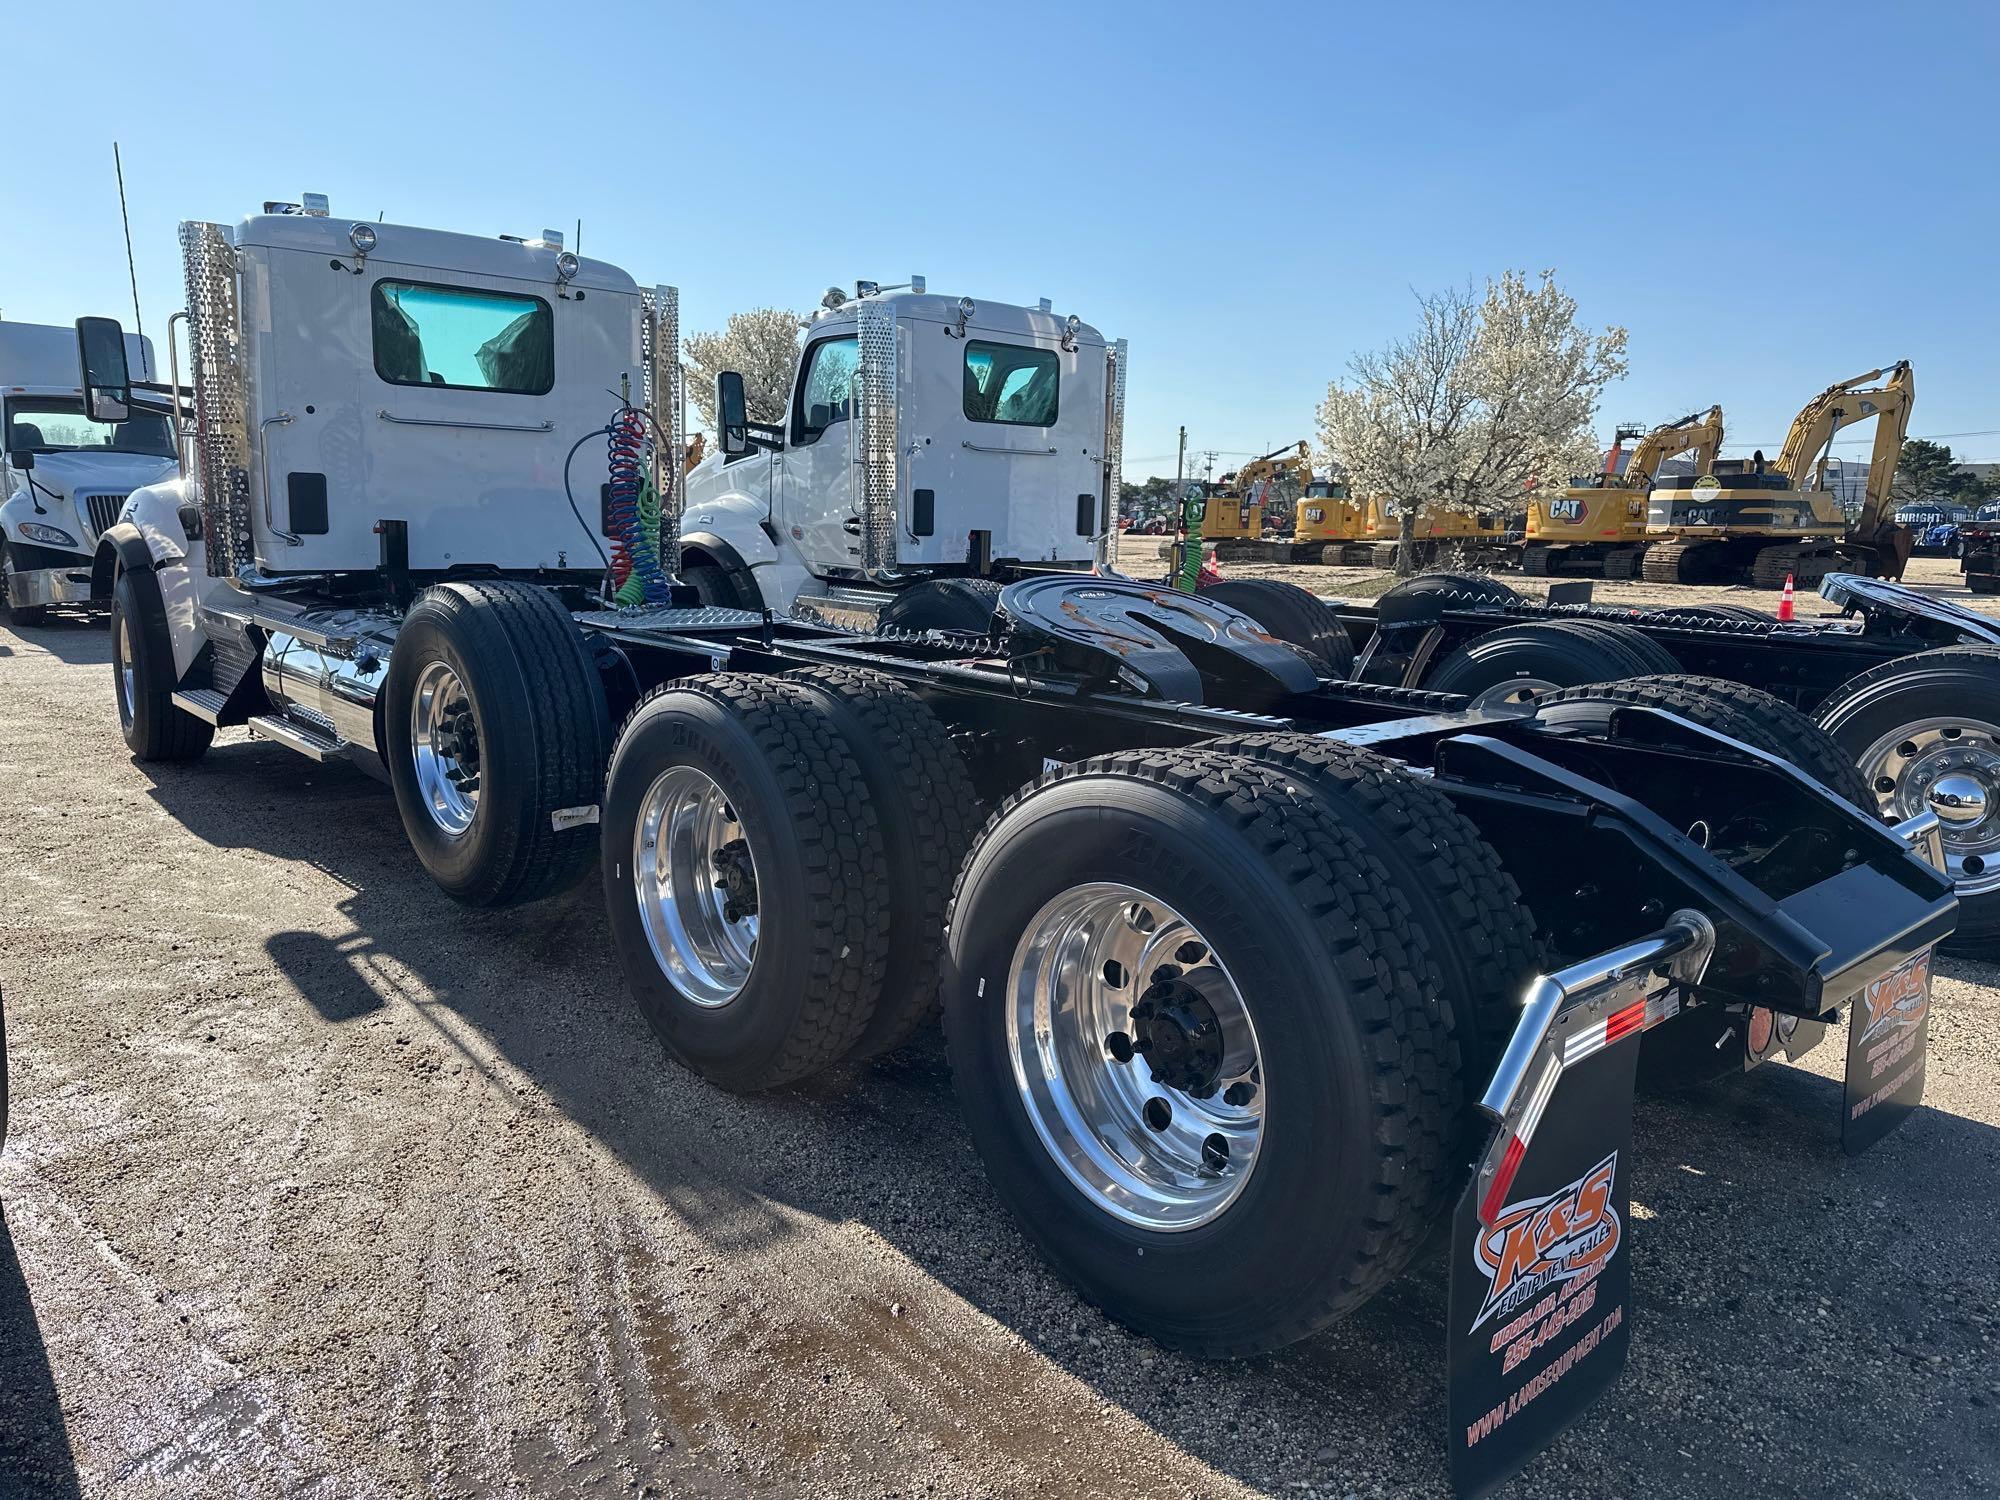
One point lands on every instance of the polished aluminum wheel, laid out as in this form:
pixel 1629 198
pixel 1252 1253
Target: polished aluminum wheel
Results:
pixel 444 741
pixel 696 884
pixel 1135 1057
pixel 128 679
pixel 1950 767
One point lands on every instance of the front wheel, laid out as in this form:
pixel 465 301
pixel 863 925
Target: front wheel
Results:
pixel 143 677
pixel 1199 1047
pixel 495 731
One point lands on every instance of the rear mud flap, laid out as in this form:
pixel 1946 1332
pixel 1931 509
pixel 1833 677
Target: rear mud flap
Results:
pixel 1541 1275
pixel 1888 1036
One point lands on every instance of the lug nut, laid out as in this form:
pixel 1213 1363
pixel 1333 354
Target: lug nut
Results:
pixel 1166 973
pixel 1239 1093
pixel 1191 952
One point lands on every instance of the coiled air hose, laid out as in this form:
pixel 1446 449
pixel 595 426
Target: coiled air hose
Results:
pixel 633 511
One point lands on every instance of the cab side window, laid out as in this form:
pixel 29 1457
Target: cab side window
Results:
pixel 826 391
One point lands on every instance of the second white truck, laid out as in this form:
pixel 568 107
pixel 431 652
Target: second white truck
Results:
pixel 65 476
pixel 932 449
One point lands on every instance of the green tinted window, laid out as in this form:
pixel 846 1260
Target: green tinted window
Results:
pixel 1010 384
pixel 462 339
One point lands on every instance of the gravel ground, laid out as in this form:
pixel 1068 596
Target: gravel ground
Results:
pixel 320 1185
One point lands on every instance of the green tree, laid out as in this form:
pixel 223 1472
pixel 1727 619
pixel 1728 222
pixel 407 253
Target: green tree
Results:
pixel 1926 472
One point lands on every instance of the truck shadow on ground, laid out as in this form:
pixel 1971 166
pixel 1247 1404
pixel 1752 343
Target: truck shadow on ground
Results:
pixel 34 1445
pixel 77 638
pixel 1744 1182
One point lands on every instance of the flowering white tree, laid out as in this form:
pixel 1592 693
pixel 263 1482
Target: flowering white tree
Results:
pixel 762 346
pixel 1491 397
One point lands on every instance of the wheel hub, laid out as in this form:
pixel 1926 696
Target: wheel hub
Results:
pixel 1136 1057
pixel 444 748
pixel 1950 767
pixel 736 878
pixel 1176 1030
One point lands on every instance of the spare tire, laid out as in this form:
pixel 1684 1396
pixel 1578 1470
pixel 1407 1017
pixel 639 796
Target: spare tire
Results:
pixel 1291 614
pixel 965 604
pixel 1522 663
pixel 1470 589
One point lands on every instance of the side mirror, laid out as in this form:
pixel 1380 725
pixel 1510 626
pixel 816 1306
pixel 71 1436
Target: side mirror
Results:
pixel 22 459
pixel 732 414
pixel 107 383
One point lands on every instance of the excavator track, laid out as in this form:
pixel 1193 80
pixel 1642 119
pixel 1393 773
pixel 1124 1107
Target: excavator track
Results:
pixel 1623 563
pixel 1805 565
pixel 1672 562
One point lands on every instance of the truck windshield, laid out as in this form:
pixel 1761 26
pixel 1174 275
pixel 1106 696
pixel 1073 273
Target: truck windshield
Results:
pixel 1010 384
pixel 53 425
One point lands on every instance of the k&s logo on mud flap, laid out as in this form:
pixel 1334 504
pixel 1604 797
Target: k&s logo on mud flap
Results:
pixel 1898 1000
pixel 1540 1243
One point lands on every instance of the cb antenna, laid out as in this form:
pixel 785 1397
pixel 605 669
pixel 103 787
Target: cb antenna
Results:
pixel 131 267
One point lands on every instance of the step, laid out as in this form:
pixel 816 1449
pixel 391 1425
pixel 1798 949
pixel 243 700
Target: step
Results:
pixel 271 612
pixel 204 703
pixel 294 736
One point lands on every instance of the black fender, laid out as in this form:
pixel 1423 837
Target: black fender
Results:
pixel 119 550
pixel 729 560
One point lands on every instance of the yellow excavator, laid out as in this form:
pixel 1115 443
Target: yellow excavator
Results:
pixel 1442 535
pixel 1599 526
pixel 1331 522
pixel 1746 521
pixel 1235 517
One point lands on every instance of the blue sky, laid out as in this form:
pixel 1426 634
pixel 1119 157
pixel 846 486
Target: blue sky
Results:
pixel 1771 197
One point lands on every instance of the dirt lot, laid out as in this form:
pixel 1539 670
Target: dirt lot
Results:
pixel 322 1186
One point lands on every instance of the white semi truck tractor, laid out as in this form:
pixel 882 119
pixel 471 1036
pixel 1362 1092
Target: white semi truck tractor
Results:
pixel 1253 977
pixel 1005 422
pixel 64 475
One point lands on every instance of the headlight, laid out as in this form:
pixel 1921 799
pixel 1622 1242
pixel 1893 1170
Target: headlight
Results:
pixel 566 266
pixel 362 238
pixel 54 536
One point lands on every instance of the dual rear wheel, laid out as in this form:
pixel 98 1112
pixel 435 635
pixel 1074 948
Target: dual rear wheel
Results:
pixel 1210 1042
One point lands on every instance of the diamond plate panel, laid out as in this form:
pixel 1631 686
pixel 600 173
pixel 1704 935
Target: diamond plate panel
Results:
pixel 875 432
pixel 221 395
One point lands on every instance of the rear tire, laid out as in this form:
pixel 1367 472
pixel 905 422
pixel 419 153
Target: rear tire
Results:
pixel 143 677
pixel 1743 713
pixel 1466 590
pixel 1353 1161
pixel 798 820
pixel 1291 614
pixel 502 676
pixel 955 604
pixel 929 812
pixel 1485 935
pixel 1524 663
pixel 1946 703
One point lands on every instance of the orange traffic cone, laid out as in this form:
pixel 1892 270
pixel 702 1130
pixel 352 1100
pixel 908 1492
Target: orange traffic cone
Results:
pixel 1788 609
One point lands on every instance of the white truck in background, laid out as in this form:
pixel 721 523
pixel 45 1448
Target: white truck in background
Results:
pixel 1002 427
pixel 65 476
